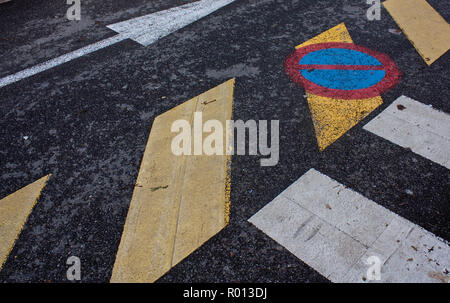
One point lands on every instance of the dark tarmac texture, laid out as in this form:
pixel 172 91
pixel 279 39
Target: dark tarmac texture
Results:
pixel 87 123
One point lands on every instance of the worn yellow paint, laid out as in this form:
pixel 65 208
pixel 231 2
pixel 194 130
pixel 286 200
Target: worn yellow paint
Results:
pixel 14 211
pixel 332 120
pixel 333 117
pixel 424 27
pixel 339 33
pixel 179 202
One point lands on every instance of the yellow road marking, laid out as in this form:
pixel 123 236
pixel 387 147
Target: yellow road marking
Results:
pixel 424 27
pixel 339 33
pixel 14 211
pixel 333 117
pixel 179 202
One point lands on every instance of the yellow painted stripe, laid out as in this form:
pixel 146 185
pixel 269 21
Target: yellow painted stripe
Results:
pixel 179 202
pixel 333 117
pixel 424 27
pixel 14 211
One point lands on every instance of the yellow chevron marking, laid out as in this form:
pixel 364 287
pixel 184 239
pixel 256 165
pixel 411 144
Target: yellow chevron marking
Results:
pixel 424 27
pixel 14 211
pixel 179 202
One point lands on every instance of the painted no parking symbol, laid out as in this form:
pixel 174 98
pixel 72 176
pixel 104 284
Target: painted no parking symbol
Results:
pixel 342 70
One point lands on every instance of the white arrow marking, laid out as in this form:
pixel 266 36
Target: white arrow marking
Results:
pixel 166 22
pixel 144 30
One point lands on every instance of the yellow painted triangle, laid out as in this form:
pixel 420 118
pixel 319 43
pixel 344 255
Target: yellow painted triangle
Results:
pixel 179 202
pixel 339 33
pixel 14 211
pixel 333 117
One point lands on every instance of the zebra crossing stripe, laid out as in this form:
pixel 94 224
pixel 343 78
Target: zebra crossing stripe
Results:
pixel 414 125
pixel 337 231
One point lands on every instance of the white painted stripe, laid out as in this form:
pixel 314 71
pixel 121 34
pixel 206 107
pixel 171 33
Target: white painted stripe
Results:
pixel 144 30
pixel 60 60
pixel 335 230
pixel 414 125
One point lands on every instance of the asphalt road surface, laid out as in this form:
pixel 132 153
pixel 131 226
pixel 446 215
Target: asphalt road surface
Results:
pixel 86 122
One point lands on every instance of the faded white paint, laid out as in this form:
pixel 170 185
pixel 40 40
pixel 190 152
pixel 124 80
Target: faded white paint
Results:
pixel 336 230
pixel 60 60
pixel 414 125
pixel 144 30
pixel 150 28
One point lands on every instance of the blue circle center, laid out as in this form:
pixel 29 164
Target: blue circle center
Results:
pixel 344 79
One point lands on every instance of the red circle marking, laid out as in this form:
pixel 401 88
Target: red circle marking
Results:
pixel 392 77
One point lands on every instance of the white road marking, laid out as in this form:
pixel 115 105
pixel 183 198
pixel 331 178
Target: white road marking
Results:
pixel 168 21
pixel 60 60
pixel 144 30
pixel 335 230
pixel 414 125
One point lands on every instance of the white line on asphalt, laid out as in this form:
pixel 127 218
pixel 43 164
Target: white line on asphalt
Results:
pixel 144 30
pixel 414 125
pixel 60 60
pixel 336 230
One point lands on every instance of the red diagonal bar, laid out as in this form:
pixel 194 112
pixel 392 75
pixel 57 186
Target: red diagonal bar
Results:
pixel 343 67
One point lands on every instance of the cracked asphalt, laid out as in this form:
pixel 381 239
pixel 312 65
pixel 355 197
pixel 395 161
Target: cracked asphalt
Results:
pixel 87 123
